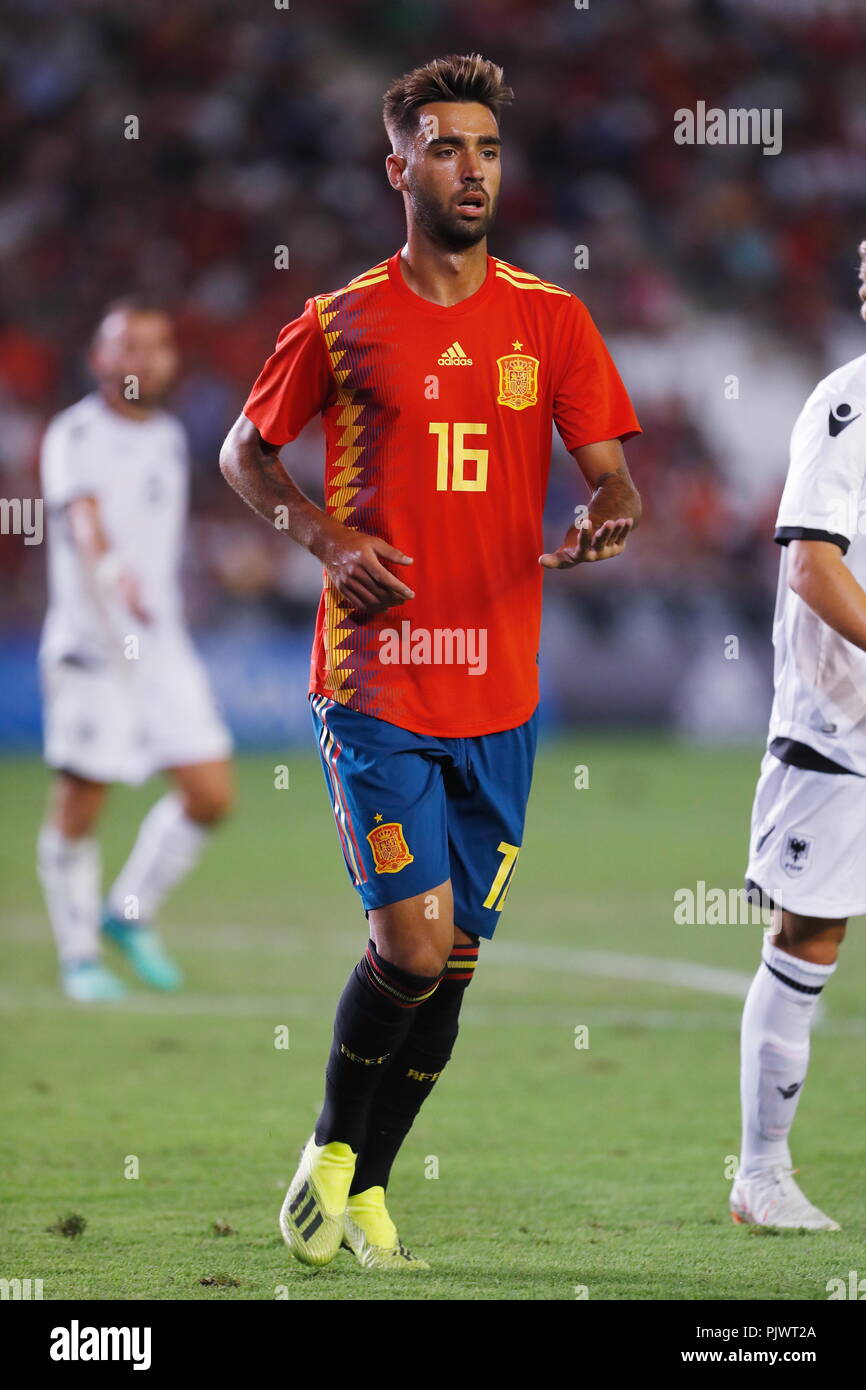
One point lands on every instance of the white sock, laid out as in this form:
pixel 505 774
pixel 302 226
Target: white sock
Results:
pixel 774 1054
pixel 168 846
pixel 70 873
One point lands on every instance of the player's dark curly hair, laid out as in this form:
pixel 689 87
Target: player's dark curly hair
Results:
pixel 459 77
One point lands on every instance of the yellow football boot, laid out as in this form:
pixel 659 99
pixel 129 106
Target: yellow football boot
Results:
pixel 372 1236
pixel 312 1215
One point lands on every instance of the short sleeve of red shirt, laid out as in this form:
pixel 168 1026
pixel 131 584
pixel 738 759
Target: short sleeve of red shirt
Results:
pixel 295 383
pixel 590 402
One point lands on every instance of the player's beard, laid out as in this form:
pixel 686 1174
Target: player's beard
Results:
pixel 444 225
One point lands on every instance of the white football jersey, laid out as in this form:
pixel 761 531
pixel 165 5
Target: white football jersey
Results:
pixel 138 472
pixel 820 678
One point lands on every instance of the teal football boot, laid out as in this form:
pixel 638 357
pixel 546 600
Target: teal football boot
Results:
pixel 145 952
pixel 91 982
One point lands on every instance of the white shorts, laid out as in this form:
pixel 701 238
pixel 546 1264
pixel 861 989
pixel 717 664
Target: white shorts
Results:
pixel 122 723
pixel 808 840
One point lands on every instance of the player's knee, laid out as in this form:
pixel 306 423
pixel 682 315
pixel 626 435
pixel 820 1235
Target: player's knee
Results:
pixel 822 950
pixel 809 939
pixel 422 958
pixel 209 805
pixel 76 806
pixel 76 823
pixel 208 810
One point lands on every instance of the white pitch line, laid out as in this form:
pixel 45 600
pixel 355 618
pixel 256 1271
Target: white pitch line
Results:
pixel 611 965
pixel 284 1009
pixel 279 1007
pixel 608 965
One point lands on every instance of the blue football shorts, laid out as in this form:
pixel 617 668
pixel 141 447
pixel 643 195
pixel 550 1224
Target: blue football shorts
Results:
pixel 412 811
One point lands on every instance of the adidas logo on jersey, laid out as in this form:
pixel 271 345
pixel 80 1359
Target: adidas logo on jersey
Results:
pixel 454 356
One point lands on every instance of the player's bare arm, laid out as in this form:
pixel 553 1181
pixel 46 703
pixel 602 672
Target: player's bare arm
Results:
pixel 614 508
pixel 819 576
pixel 352 559
pixel 109 575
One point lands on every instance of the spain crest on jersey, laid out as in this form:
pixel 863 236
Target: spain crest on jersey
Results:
pixel 518 380
pixel 390 851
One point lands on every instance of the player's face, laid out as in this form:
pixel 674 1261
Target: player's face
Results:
pixel 139 345
pixel 453 172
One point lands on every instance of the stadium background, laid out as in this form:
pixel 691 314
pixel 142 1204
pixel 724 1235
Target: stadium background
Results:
pixel 261 128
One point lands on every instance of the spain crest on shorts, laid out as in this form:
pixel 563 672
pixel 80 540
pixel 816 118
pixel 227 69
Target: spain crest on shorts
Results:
pixel 390 851
pixel 518 380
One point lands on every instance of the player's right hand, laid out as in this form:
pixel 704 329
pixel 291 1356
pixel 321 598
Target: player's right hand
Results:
pixel 128 591
pixel 117 584
pixel 353 561
pixel 585 543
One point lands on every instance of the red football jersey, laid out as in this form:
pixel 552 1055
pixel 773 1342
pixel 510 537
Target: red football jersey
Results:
pixel 438 427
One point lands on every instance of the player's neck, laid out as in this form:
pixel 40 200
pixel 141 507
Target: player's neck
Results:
pixel 439 275
pixel 131 410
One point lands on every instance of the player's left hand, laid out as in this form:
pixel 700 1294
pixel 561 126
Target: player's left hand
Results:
pixel 589 542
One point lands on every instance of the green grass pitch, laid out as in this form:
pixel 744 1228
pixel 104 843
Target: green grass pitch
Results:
pixel 561 1169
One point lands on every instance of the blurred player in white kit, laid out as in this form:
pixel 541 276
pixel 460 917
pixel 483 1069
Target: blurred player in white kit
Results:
pixel 124 692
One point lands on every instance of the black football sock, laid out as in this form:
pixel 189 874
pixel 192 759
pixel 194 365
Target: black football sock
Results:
pixel 375 1012
pixel 413 1073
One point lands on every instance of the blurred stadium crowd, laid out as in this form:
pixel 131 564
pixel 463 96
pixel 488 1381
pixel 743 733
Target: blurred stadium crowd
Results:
pixel 723 279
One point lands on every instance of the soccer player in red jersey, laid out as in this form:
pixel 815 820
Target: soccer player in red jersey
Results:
pixel 439 373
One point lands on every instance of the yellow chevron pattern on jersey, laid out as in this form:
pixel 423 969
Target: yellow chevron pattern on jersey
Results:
pixel 373 270
pixel 374 276
pixel 343 485
pixel 522 280
pixel 363 281
pixel 340 498
pixel 336 631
